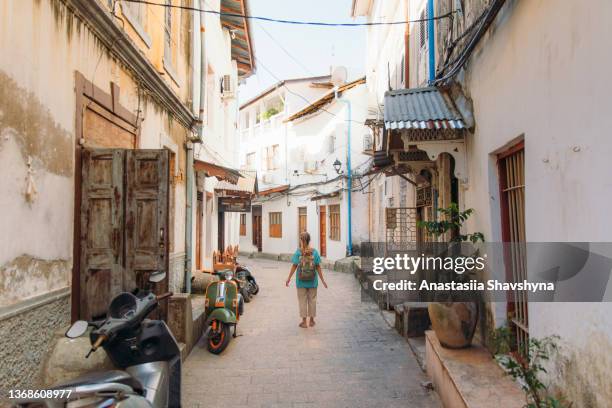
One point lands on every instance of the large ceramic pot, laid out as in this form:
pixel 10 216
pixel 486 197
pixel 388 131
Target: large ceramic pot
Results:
pixel 454 322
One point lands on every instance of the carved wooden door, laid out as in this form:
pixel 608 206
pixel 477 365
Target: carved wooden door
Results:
pixel 124 224
pixel 102 220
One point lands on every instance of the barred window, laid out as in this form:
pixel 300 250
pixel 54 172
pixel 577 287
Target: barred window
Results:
pixel 276 224
pixel 423 29
pixel 334 222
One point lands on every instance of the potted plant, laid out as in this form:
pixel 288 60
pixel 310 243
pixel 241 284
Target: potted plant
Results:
pixel 454 322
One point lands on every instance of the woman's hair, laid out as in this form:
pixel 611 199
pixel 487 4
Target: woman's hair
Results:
pixel 304 241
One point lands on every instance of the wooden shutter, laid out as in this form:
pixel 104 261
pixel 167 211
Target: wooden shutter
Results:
pixel 101 240
pixel 146 216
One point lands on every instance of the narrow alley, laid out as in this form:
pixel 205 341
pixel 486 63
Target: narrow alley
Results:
pixel 351 358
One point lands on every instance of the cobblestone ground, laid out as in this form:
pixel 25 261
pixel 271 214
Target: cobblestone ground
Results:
pixel 351 358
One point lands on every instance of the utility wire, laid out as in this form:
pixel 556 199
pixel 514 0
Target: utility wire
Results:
pixel 295 22
pixel 284 49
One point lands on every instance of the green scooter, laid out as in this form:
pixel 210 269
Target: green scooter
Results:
pixel 224 306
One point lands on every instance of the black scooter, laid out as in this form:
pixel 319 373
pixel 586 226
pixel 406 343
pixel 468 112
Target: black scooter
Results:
pixel 244 273
pixel 144 350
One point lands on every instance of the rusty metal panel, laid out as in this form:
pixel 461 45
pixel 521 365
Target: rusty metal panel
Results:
pixel 101 243
pixel 146 232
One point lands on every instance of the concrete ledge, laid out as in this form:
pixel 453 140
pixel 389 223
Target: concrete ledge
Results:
pixel 469 378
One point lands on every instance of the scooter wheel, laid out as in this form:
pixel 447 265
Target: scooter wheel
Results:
pixel 245 295
pixel 255 288
pixel 218 341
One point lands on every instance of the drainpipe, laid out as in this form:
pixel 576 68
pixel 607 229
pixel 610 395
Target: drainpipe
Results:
pixel 431 45
pixel 349 244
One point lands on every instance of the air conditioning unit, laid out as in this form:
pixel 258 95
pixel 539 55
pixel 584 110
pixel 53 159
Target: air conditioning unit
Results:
pixel 227 87
pixel 311 165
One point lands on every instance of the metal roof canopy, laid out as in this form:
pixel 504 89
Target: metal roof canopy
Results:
pixel 215 170
pixel 246 185
pixel 427 113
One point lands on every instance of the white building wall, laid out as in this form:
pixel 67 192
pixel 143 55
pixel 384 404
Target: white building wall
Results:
pixel 542 91
pixel 304 140
pixel 221 141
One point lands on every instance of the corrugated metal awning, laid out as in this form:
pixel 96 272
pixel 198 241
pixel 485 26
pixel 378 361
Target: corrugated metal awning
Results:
pixel 422 109
pixel 215 170
pixel 247 184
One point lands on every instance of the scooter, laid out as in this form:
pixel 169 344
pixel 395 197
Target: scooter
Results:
pixel 243 272
pixel 145 350
pixel 223 305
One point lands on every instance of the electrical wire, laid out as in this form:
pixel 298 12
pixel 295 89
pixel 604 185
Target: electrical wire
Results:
pixel 285 50
pixel 294 22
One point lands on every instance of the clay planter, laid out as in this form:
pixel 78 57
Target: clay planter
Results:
pixel 454 322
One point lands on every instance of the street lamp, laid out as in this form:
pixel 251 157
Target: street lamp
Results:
pixel 337 166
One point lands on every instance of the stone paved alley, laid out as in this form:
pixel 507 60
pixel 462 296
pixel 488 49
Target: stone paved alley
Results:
pixel 352 358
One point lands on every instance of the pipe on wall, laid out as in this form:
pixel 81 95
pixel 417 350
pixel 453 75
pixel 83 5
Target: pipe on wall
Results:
pixel 349 240
pixel 431 37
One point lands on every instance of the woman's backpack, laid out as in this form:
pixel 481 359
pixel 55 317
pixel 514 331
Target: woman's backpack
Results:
pixel 307 269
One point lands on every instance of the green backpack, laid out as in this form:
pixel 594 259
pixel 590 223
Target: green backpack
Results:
pixel 307 271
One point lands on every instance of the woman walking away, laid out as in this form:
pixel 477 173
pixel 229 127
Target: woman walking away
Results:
pixel 307 262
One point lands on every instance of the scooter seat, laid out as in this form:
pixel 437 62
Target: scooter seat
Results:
pixel 111 376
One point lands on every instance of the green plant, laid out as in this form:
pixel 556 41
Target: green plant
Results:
pixel 451 219
pixel 528 370
pixel 272 111
pixel 500 340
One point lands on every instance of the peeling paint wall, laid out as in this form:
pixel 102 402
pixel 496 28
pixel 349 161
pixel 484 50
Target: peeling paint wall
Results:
pixel 542 74
pixel 43 47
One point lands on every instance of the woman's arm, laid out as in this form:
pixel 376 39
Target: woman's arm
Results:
pixel 293 268
pixel 321 276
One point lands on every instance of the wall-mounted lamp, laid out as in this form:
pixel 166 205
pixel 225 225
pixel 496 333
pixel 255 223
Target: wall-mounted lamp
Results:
pixel 337 165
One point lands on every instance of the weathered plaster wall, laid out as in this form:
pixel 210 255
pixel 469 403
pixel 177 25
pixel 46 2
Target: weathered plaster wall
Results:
pixel 539 77
pixel 43 46
pixel 20 360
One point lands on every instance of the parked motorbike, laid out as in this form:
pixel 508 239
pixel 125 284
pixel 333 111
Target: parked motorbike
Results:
pixel 145 351
pixel 224 306
pixel 243 272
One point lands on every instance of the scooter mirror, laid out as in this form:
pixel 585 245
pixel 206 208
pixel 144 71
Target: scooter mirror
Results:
pixel 156 277
pixel 77 329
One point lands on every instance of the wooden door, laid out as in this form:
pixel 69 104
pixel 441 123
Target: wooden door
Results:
pixel 221 232
pixel 198 240
pixel 257 233
pixel 146 238
pixel 101 225
pixel 322 230
pixel 302 220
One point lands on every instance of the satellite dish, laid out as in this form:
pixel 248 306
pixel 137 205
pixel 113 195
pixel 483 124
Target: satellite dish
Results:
pixel 338 76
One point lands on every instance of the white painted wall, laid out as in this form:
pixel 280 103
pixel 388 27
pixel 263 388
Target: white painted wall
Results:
pixel 221 141
pixel 310 139
pixel 533 79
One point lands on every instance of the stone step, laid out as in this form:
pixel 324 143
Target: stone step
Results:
pixel 469 378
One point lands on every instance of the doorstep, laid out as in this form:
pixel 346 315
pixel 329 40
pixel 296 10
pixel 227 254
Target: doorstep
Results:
pixel 469 377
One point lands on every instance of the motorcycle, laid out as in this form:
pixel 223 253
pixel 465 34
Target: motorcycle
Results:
pixel 244 273
pixel 145 351
pixel 223 305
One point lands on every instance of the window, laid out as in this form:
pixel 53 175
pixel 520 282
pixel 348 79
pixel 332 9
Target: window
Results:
pixel 250 161
pixel 334 222
pixel 511 165
pixel 135 14
pixel 276 224
pixel 243 225
pixel 302 219
pixel 423 30
pixel 331 143
pixel 272 157
pixel 257 115
pixel 402 71
pixel 247 123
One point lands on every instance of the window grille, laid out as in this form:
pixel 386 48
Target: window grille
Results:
pixel 512 190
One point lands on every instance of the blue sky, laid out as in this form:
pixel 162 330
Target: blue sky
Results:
pixel 315 48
